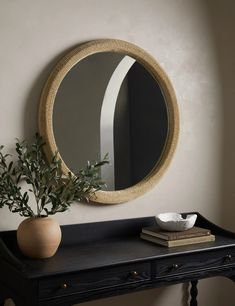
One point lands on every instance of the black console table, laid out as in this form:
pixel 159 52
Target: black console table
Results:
pixel 97 260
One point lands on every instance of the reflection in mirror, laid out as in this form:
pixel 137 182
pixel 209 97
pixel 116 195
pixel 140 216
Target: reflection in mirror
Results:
pixel 109 103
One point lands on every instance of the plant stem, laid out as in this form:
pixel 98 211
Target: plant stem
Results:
pixel 38 208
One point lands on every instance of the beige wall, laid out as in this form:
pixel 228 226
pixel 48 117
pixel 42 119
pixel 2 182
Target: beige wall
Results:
pixel 194 42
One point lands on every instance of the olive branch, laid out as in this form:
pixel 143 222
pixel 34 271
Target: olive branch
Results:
pixel 53 190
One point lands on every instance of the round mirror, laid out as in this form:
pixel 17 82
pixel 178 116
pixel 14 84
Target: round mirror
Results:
pixel 111 97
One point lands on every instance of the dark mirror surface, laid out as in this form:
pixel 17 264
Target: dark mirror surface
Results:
pixel 109 103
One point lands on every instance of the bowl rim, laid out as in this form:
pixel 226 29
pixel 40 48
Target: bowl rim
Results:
pixel 183 220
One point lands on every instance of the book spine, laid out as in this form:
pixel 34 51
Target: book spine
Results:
pixel 175 236
pixel 159 235
pixel 180 242
pixel 154 239
pixel 193 235
pixel 195 240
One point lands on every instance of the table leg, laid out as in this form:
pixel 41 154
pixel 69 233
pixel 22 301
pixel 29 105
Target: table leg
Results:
pixel 193 293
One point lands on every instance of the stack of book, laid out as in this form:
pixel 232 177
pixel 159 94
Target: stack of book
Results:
pixel 173 239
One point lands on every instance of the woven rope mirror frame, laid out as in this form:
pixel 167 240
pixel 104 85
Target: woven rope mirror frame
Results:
pixel 149 63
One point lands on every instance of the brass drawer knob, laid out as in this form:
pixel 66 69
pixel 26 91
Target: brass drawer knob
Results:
pixel 134 274
pixel 228 258
pixel 174 267
pixel 64 286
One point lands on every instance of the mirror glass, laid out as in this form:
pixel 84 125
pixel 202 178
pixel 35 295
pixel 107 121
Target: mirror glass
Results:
pixel 109 103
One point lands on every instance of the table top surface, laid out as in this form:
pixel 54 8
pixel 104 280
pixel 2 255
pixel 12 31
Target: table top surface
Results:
pixel 109 253
pixel 113 249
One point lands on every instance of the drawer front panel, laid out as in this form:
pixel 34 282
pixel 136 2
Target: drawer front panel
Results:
pixel 91 280
pixel 194 262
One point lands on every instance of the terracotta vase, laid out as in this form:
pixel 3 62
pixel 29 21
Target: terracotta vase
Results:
pixel 39 237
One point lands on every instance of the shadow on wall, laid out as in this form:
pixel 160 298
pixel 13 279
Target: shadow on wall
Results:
pixel 30 122
pixel 221 18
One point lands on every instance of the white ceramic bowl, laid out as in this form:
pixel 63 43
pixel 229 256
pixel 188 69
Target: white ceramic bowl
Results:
pixel 175 221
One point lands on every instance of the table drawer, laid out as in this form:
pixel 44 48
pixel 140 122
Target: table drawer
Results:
pixel 92 280
pixel 194 262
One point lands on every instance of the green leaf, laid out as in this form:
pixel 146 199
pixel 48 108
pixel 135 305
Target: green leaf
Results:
pixel 54 191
